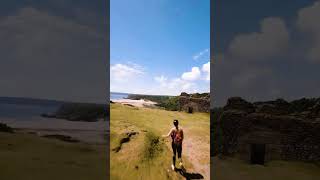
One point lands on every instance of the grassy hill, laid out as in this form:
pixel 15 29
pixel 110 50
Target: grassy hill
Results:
pixel 138 150
pixel 29 157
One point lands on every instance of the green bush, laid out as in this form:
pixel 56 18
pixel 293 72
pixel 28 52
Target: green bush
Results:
pixel 82 111
pixel 171 104
pixel 153 146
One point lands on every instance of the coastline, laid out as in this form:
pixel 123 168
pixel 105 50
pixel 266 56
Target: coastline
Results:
pixel 135 103
pixel 87 132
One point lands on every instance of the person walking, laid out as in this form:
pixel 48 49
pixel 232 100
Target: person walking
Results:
pixel 176 134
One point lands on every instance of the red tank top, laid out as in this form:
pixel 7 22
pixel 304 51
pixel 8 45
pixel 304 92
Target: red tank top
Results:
pixel 176 136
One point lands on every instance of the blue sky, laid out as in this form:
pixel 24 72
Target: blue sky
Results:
pixel 155 44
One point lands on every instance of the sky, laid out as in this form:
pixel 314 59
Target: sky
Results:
pixel 159 47
pixel 58 49
pixel 54 49
pixel 264 50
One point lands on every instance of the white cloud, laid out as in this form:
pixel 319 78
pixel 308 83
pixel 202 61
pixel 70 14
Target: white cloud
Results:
pixel 308 22
pixel 36 45
pixel 123 72
pixel 200 54
pixel 172 86
pixel 206 70
pixel 271 41
pixel 161 79
pixel 258 80
pixel 193 75
pixel 189 82
pixel 308 18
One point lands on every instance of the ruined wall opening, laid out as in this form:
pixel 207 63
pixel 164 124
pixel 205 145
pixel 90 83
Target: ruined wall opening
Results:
pixel 258 152
pixel 190 110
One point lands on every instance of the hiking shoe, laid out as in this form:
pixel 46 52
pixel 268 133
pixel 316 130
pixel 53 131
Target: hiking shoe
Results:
pixel 173 168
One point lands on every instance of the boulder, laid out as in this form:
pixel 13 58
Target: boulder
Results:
pixel 5 128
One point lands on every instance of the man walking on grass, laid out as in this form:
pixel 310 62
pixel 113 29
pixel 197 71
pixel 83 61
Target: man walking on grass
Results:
pixel 176 134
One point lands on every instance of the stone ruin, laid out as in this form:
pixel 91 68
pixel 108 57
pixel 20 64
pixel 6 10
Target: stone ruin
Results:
pixel 272 130
pixel 194 102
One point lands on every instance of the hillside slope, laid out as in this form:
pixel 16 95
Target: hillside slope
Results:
pixel 138 150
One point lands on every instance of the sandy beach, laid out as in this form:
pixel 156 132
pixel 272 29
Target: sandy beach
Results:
pixel 88 132
pixel 136 103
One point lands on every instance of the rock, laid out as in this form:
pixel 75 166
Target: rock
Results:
pixel 126 138
pixel 237 103
pixel 315 110
pixel 184 94
pixel 277 107
pixel 61 137
pixel 5 128
pixel 130 105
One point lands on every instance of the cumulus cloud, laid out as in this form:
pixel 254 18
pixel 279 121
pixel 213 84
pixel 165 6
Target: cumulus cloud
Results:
pixel 123 72
pixel 189 82
pixel 201 54
pixel 161 79
pixel 250 66
pixel 173 86
pixel 271 41
pixel 193 75
pixel 244 69
pixel 307 22
pixel 206 70
pixel 52 57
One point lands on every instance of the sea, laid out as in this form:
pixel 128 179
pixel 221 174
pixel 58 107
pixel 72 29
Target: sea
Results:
pixel 117 96
pixel 25 108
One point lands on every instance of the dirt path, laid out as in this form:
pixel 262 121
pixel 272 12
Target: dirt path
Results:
pixel 193 149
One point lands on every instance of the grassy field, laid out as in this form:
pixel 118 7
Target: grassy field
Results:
pixel 145 155
pixel 29 157
pixel 230 169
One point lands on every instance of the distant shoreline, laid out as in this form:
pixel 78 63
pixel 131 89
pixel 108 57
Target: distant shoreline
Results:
pixel 136 103
pixel 88 132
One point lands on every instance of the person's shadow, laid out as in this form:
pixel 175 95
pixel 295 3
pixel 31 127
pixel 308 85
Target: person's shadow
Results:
pixel 187 175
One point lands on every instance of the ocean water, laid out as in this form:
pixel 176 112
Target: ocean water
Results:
pixel 19 111
pixel 117 96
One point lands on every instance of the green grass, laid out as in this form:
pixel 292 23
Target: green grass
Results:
pixel 231 168
pixel 153 146
pixel 29 157
pixel 146 155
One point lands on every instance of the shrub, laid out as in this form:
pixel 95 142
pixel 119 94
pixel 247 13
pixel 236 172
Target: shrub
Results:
pixel 153 146
pixel 171 104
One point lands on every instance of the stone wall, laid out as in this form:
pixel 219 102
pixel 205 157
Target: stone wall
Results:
pixel 289 132
pixel 195 102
